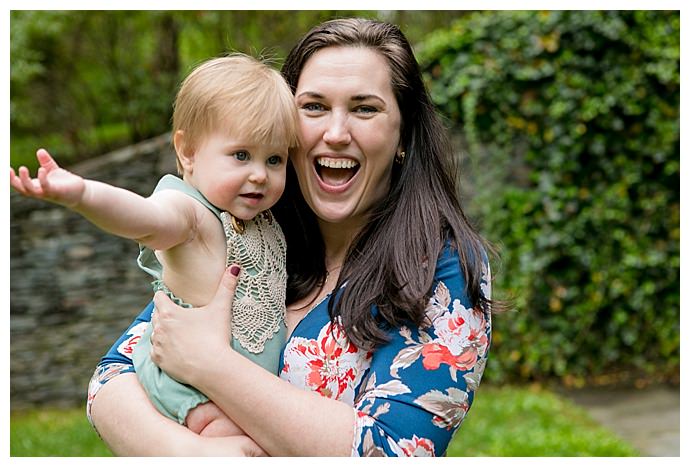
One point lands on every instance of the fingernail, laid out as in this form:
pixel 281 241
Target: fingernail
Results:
pixel 235 270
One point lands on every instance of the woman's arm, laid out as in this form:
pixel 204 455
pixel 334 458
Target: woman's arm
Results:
pixel 121 412
pixel 423 381
pixel 282 419
pixel 131 426
pixel 118 358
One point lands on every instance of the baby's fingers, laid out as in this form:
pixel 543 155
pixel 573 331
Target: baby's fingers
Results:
pixel 31 187
pixel 16 183
pixel 43 179
pixel 46 160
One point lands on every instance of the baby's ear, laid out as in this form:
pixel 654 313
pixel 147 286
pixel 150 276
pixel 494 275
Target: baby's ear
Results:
pixel 184 156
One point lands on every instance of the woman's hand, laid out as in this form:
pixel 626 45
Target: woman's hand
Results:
pixel 183 339
pixel 232 446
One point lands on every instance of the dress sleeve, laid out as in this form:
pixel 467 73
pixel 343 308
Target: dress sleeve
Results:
pixel 422 383
pixel 118 359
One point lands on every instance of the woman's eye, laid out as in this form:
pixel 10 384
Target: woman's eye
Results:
pixel 274 160
pixel 366 109
pixel 241 155
pixel 313 107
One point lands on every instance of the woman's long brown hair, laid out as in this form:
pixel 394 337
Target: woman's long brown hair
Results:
pixel 391 262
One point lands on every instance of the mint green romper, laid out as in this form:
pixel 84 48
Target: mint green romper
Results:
pixel 258 325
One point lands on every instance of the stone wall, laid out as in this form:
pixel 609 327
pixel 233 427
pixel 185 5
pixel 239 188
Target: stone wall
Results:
pixel 73 288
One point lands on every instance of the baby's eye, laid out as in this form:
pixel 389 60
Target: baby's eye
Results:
pixel 274 160
pixel 241 155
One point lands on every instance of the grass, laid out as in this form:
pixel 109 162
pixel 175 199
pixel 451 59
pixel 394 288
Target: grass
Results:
pixel 528 422
pixel 503 422
pixel 54 432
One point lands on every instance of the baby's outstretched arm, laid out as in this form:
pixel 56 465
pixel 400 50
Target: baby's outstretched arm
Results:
pixel 160 222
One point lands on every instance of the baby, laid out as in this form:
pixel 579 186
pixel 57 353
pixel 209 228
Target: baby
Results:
pixel 234 121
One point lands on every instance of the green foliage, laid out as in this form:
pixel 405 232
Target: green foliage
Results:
pixel 77 74
pixel 74 75
pixel 270 34
pixel 572 119
pixel 54 432
pixel 518 422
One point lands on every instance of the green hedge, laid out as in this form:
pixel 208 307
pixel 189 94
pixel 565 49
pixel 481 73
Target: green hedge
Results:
pixel 571 123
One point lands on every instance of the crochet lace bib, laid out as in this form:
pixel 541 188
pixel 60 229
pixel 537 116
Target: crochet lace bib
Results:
pixel 258 246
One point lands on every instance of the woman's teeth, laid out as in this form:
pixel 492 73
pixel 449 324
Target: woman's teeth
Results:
pixel 336 163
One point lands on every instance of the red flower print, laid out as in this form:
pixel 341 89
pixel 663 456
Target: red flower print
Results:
pixel 436 354
pixel 460 339
pixel 329 364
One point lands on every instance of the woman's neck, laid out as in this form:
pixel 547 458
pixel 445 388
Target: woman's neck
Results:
pixel 337 239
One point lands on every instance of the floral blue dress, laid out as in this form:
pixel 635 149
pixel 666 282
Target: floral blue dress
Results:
pixel 409 395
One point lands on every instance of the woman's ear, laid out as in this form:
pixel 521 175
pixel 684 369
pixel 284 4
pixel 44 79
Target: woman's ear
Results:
pixel 185 159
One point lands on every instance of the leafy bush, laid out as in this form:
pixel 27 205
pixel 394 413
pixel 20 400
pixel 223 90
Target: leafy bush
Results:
pixel 572 120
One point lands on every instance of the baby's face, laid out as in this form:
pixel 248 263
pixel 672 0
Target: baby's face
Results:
pixel 236 176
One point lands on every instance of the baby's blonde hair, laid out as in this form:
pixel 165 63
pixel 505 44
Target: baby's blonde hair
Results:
pixel 238 95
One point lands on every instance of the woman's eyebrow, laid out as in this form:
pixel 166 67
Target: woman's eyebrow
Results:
pixel 363 97
pixel 312 94
pixel 355 98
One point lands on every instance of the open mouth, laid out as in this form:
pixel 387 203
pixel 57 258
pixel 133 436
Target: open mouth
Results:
pixel 335 172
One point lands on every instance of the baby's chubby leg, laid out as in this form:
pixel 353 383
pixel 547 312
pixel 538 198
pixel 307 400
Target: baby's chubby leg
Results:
pixel 208 420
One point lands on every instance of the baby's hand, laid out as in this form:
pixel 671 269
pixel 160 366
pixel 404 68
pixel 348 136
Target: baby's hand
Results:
pixel 53 183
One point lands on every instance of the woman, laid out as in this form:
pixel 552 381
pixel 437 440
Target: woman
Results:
pixel 388 290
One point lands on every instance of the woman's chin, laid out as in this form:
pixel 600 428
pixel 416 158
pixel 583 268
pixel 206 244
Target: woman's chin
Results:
pixel 334 213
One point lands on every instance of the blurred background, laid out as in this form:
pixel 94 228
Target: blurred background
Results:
pixel 566 125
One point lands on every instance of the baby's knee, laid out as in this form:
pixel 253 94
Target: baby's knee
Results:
pixel 208 420
pixel 221 428
pixel 200 416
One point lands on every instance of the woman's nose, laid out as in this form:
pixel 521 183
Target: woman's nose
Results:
pixel 338 131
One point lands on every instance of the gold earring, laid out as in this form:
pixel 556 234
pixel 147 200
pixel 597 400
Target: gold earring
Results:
pixel 400 158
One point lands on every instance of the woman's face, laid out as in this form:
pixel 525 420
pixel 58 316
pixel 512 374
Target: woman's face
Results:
pixel 350 132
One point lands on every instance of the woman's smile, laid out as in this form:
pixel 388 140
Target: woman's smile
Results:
pixel 336 174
